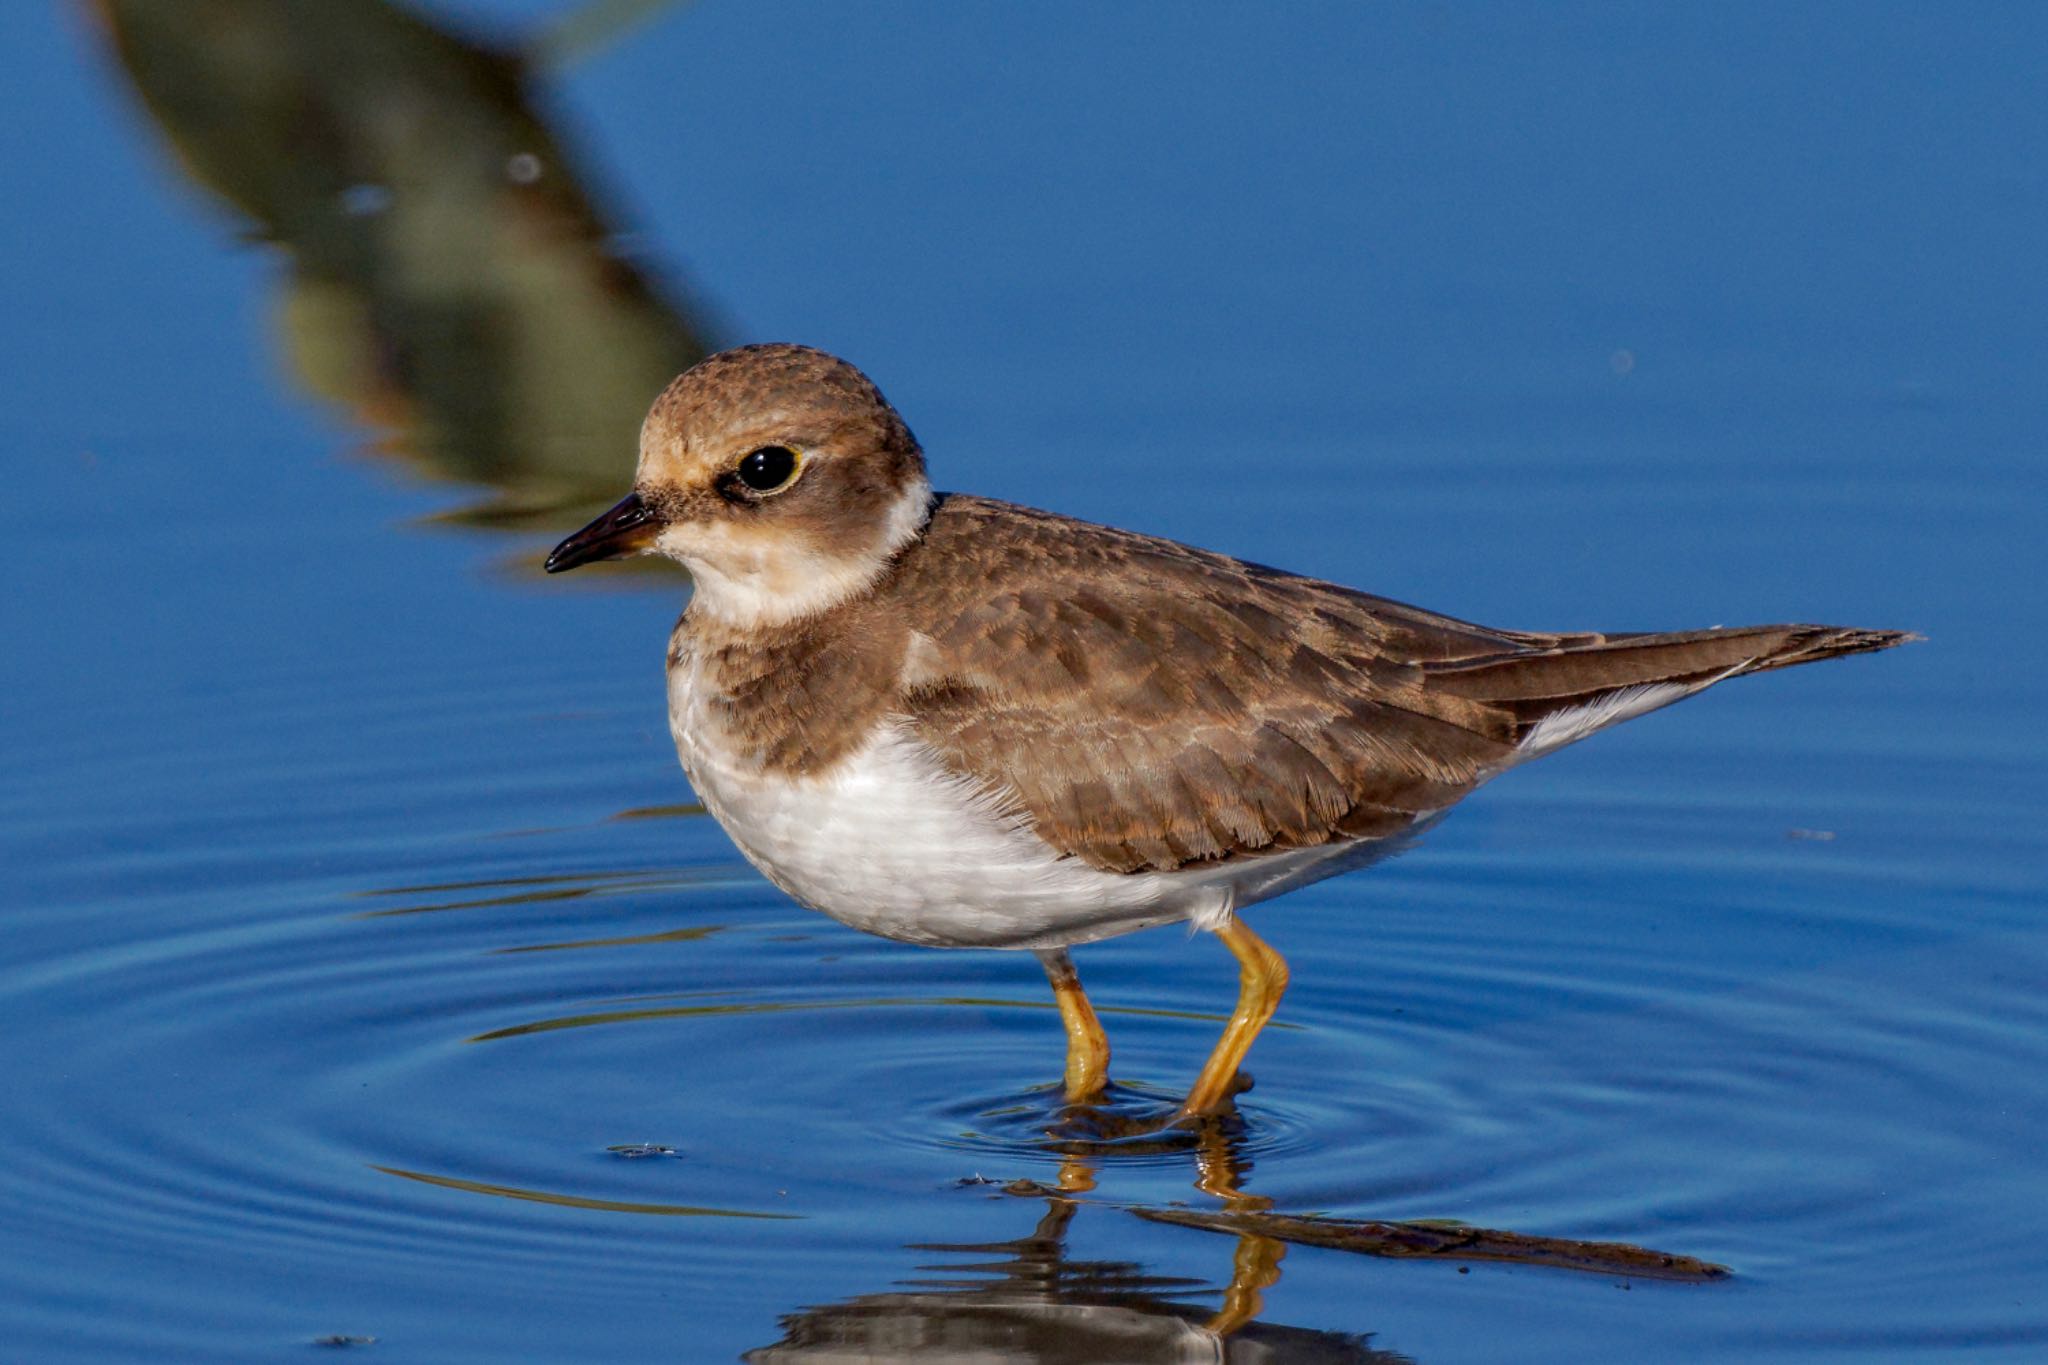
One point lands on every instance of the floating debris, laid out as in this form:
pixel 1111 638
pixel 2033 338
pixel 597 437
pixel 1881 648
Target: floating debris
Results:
pixel 633 1151
pixel 1448 1241
pixel 680 810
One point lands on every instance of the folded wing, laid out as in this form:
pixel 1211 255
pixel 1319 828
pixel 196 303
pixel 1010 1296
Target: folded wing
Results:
pixel 1185 707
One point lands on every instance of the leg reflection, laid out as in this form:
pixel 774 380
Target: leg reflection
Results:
pixel 1220 1168
pixel 1255 1265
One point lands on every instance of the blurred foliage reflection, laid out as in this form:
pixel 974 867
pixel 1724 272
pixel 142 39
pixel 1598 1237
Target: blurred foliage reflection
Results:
pixel 451 279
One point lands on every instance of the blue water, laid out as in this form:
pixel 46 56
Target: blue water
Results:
pixel 355 907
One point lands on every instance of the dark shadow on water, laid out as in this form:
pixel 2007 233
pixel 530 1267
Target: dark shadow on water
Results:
pixel 452 280
pixel 646 1013
pixel 1090 1139
pixel 568 886
pixel 574 1201
pixel 686 935
pixel 680 811
pixel 1027 1301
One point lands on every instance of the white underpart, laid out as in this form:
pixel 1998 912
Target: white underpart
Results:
pixel 746 579
pixel 892 843
pixel 1573 724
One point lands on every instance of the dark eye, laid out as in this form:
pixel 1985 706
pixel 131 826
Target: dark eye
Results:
pixel 768 468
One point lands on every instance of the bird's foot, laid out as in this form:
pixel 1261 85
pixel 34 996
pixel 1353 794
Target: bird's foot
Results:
pixel 1198 1109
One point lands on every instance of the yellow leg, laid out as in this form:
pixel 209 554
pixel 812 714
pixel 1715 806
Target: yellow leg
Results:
pixel 1261 979
pixel 1087 1044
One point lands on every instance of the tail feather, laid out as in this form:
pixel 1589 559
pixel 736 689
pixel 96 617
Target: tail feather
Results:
pixel 1559 689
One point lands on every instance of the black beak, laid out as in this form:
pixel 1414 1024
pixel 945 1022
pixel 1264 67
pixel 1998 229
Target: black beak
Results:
pixel 624 530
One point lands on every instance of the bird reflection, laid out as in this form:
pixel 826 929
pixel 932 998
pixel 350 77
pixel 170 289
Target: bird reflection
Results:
pixel 1027 1300
pixel 450 279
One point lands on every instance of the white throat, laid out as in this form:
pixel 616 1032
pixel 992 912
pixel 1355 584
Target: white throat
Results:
pixel 748 585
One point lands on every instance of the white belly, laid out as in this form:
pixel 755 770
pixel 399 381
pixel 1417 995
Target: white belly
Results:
pixel 891 843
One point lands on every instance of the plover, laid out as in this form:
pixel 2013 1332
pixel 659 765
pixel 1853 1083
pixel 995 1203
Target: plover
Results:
pixel 963 723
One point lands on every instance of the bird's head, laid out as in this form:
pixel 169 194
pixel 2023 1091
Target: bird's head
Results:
pixel 778 475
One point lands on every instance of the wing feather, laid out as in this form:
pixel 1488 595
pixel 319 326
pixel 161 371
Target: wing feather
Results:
pixel 1148 706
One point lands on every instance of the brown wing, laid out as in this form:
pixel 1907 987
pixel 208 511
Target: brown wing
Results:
pixel 1148 705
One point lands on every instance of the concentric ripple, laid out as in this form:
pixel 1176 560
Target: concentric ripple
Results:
pixel 457 1071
